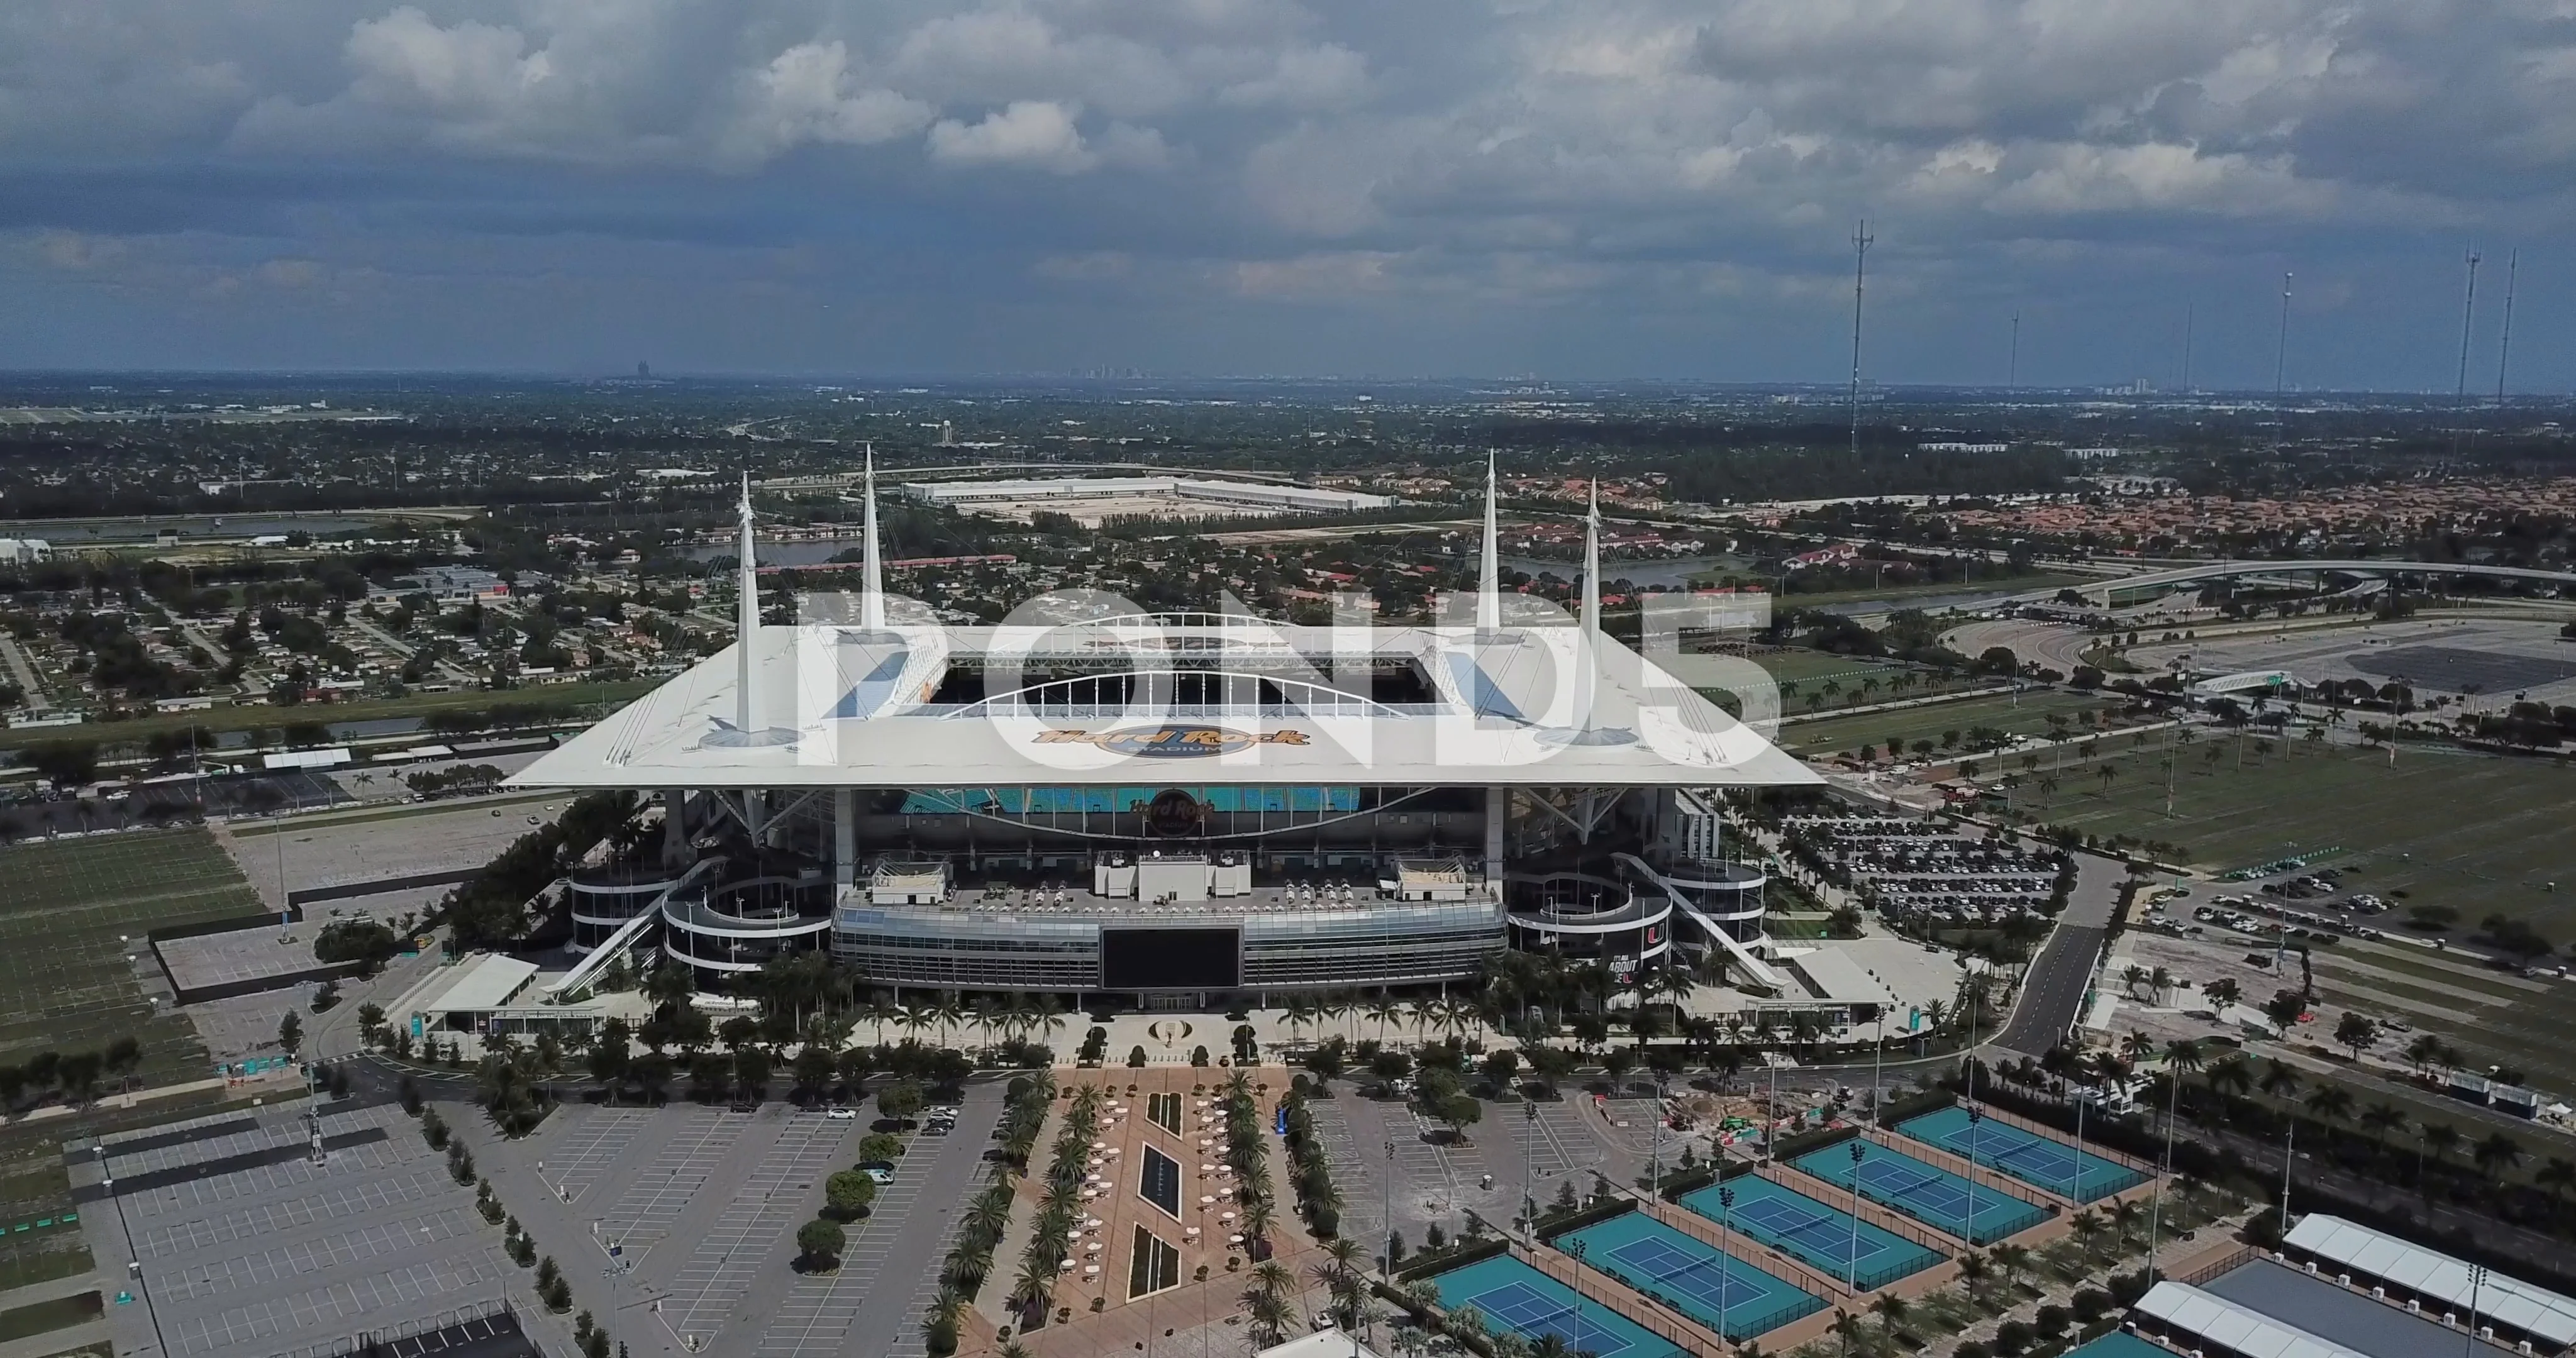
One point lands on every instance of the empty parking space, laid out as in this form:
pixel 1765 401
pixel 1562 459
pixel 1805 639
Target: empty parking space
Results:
pixel 663 1189
pixel 330 1312
pixel 591 1148
pixel 371 1198
pixel 312 1256
pixel 762 1210
pixel 251 1245
pixel 816 1316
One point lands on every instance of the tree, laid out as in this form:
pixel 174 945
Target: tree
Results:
pixel 2356 1032
pixel 819 1244
pixel 2498 1153
pixel 849 1193
pixel 290 1034
pixel 1459 1111
pixel 900 1099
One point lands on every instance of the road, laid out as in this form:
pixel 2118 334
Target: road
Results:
pixel 24 671
pixel 2052 995
pixel 2051 645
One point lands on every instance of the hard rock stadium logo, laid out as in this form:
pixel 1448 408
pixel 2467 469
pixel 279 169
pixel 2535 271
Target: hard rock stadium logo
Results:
pixel 1171 741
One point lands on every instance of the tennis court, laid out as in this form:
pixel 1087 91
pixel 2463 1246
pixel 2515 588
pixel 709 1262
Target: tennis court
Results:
pixel 1720 1291
pixel 1928 1193
pixel 1512 1295
pixel 2040 1161
pixel 1812 1232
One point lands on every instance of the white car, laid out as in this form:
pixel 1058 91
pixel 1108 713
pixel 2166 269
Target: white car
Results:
pixel 842 1114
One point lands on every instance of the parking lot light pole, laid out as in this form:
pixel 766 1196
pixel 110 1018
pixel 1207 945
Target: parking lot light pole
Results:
pixel 1851 1262
pixel 1529 1185
pixel 1968 1226
pixel 1386 1211
pixel 1725 1226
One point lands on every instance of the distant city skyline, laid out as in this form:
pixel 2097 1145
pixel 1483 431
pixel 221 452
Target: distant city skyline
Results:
pixel 1612 189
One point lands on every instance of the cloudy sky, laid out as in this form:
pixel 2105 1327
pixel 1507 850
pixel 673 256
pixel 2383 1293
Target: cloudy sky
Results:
pixel 1598 189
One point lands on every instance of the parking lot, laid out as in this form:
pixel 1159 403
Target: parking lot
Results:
pixel 1527 1148
pixel 1925 871
pixel 701 1205
pixel 246 1243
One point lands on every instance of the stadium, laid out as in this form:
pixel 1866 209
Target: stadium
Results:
pixel 1174 811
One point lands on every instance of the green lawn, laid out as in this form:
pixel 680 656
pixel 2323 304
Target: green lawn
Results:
pixel 59 1314
pixel 1896 596
pixel 74 910
pixel 2029 716
pixel 2477 833
pixel 26 1265
pixel 227 718
pixel 2494 1019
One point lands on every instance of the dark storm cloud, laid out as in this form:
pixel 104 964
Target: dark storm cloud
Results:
pixel 1616 186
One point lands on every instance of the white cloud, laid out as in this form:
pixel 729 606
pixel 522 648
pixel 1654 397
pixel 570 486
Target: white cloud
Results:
pixel 808 94
pixel 1323 76
pixel 1035 134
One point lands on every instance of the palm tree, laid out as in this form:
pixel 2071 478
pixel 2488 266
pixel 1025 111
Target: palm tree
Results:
pixel 2230 1075
pixel 2557 1176
pixel 2331 1102
pixel 1300 1012
pixel 1891 1310
pixel 2379 1119
pixel 2498 1153
pixel 2280 1079
pixel 2442 1138
pixel 2130 975
pixel 1385 1009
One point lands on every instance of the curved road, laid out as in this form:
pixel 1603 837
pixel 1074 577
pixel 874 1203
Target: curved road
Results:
pixel 2051 645
pixel 2213 570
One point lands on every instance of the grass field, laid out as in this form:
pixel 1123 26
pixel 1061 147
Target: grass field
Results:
pixel 1897 596
pixel 1828 735
pixel 74 911
pixel 2493 1018
pixel 139 729
pixel 2477 833
pixel 59 1314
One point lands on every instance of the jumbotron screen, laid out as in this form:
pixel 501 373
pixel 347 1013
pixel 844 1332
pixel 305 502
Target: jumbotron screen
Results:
pixel 1171 959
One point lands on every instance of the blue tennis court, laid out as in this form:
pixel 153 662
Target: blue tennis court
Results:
pixel 1813 1232
pixel 1512 1295
pixel 2119 1344
pixel 2040 1161
pixel 1928 1193
pixel 1720 1291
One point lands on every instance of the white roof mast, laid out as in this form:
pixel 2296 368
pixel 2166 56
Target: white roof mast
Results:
pixel 1589 648
pixel 746 620
pixel 872 613
pixel 1489 579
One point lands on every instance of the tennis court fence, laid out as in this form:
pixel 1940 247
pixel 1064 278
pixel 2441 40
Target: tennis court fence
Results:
pixel 1876 1214
pixel 1746 1248
pixel 1744 1319
pixel 1985 1177
pixel 2093 1150
pixel 1658 1318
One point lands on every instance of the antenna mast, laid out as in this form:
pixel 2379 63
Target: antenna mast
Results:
pixel 2012 365
pixel 2468 311
pixel 1860 265
pixel 2281 353
pixel 2504 350
pixel 2186 348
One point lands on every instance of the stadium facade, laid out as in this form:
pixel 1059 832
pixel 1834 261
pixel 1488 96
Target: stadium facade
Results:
pixel 1176 809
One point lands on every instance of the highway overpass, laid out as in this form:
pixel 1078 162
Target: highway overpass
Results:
pixel 2217 570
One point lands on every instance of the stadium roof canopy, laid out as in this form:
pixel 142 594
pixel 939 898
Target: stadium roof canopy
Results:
pixel 1111 696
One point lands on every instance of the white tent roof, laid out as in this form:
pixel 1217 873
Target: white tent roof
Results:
pixel 2501 1300
pixel 2187 1309
pixel 486 982
pixel 840 706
